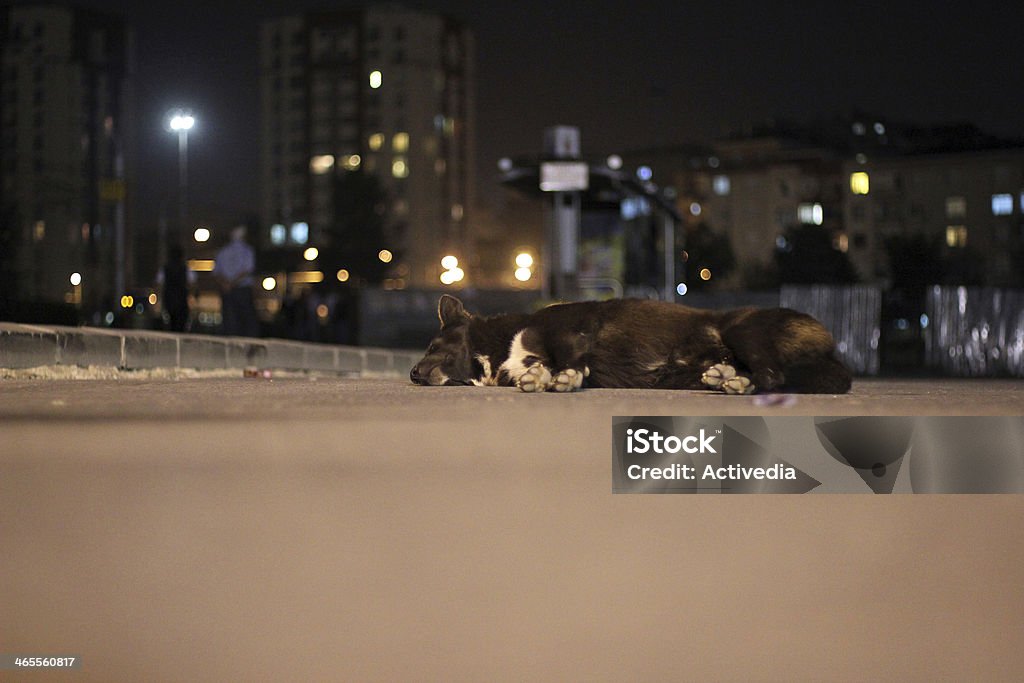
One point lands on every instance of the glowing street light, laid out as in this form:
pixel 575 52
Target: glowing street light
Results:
pixel 524 260
pixel 311 254
pixel 76 279
pixel 181 121
pixel 449 262
pixel 201 235
pixel 269 284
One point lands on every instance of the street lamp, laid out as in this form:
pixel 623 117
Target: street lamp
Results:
pixel 181 122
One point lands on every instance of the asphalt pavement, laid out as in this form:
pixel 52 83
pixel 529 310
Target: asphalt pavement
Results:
pixel 323 528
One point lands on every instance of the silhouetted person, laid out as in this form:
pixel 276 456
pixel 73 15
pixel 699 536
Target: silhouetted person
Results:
pixel 176 280
pixel 234 269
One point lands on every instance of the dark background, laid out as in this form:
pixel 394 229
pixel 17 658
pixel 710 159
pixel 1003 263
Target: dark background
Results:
pixel 631 75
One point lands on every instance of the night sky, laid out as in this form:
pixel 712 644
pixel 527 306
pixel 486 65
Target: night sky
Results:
pixel 631 75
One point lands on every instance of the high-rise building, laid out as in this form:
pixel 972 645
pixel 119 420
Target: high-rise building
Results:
pixel 65 88
pixel 384 90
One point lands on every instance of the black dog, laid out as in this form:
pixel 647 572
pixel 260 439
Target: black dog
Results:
pixel 634 344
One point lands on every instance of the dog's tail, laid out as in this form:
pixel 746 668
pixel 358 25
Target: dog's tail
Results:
pixel 821 376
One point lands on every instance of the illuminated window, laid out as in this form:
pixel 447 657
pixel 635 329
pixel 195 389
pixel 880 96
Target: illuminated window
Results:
pixel 1002 204
pixel 811 214
pixel 721 185
pixel 376 141
pixel 841 242
pixel 956 236
pixel 399 168
pixel 278 234
pixel 300 233
pixel 859 183
pixel 39 231
pixel 457 212
pixel 956 207
pixel 321 164
pixel 400 143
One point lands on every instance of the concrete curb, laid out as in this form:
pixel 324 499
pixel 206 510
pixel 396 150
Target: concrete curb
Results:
pixel 28 346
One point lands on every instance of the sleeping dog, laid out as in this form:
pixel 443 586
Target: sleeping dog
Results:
pixel 630 343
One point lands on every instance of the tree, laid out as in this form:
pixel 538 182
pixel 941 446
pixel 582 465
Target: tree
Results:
pixel 806 255
pixel 359 231
pixel 8 259
pixel 915 262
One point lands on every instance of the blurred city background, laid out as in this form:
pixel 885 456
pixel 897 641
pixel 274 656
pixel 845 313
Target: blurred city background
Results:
pixel 864 163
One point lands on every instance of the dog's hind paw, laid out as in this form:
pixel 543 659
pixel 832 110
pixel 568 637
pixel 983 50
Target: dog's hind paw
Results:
pixel 737 385
pixel 717 374
pixel 536 378
pixel 567 380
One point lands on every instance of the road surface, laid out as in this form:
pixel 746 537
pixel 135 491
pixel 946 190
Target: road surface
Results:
pixel 352 529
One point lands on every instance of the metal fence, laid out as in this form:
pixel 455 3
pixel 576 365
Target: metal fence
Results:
pixel 850 313
pixel 975 331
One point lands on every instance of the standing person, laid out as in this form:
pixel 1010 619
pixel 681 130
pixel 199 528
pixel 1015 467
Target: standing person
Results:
pixel 176 280
pixel 234 270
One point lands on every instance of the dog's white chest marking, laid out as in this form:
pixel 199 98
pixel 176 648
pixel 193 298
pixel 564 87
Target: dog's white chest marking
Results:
pixel 515 366
pixel 488 378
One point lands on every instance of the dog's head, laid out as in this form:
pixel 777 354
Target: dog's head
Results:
pixel 449 360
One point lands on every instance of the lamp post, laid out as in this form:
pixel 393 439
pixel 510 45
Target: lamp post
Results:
pixel 181 122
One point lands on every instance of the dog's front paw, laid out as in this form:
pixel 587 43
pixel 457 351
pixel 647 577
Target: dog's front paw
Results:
pixel 567 380
pixel 737 385
pixel 536 378
pixel 717 374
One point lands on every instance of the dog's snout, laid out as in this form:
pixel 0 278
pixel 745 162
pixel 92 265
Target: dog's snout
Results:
pixel 415 376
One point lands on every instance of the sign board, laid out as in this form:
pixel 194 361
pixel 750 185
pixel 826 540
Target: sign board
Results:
pixel 564 176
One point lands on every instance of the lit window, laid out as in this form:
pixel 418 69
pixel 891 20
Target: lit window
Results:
pixel 859 183
pixel 1002 204
pixel 300 233
pixel 841 242
pixel 721 185
pixel 399 168
pixel 811 214
pixel 278 234
pixel 956 236
pixel 457 212
pixel 321 164
pixel 39 232
pixel 956 207
pixel 376 141
pixel 376 78
pixel 400 143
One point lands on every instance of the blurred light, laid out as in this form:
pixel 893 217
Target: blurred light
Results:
pixel 321 164
pixel 449 262
pixel 376 78
pixel 956 235
pixel 524 260
pixel 859 128
pixel 811 214
pixel 109 318
pixel 1002 204
pixel 860 183
pixel 695 208
pixel 861 158
pixel 278 234
pixel 644 173
pixel 523 274
pixel 400 142
pixel 376 141
pixel 817 214
pixel 200 265
pixel 343 275
pixel 458 274
pixel 399 168
pixel 879 129
pixel 842 242
pixel 681 289
pixel 705 274
pixel 201 234
pixel 76 279
pixel 127 301
pixel 721 185
pixel 713 162
pixel 447 278
pixel 352 162
pixel 269 284
pixel 614 162
pixel 152 299
pixel 505 164
pixel 924 320
pixel 458 212
pixel 182 121
pixel 385 256
pixel 781 243
pixel 140 309
pixel 322 311
pixel 311 254
pixel 309 277
pixel 300 232
pixel 902 324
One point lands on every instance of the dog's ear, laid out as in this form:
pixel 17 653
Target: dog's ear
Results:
pixel 451 311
